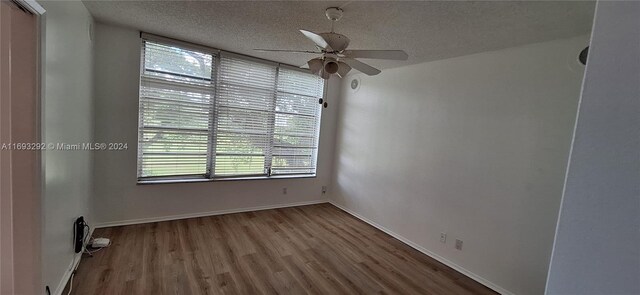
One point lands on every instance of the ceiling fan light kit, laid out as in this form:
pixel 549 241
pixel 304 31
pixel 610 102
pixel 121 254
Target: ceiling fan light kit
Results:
pixel 334 58
pixel 315 65
pixel 331 66
pixel 343 69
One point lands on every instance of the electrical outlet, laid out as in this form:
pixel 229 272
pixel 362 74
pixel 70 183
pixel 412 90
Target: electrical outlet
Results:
pixel 324 189
pixel 459 244
pixel 284 190
pixel 443 237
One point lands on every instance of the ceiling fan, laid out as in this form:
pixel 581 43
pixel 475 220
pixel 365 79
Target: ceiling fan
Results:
pixel 335 57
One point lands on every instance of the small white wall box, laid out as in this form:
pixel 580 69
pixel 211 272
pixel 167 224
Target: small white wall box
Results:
pixel 100 243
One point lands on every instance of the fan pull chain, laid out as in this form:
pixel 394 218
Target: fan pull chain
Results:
pixel 323 103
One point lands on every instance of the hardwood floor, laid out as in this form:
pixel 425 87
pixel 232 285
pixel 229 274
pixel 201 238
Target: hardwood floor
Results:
pixel 316 249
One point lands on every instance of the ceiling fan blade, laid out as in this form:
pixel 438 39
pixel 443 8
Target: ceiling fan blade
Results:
pixel 360 66
pixel 377 54
pixel 286 50
pixel 317 39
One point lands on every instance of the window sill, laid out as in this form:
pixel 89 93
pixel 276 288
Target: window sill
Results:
pixel 190 180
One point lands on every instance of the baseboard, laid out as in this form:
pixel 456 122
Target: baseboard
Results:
pixel 435 256
pixel 69 271
pixel 203 214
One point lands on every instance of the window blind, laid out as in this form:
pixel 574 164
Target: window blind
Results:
pixel 244 111
pixel 175 111
pixel 211 114
pixel 296 125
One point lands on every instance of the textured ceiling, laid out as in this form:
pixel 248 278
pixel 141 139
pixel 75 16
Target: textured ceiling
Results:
pixel 425 30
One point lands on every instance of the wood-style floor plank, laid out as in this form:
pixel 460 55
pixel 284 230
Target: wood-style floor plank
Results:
pixel 315 249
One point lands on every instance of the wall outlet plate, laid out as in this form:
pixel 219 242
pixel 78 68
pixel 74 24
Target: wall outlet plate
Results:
pixel 443 237
pixel 459 244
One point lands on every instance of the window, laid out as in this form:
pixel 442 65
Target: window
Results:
pixel 209 114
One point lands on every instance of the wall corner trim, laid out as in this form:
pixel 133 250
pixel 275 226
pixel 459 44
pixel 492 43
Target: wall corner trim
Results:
pixel 435 256
pixel 204 214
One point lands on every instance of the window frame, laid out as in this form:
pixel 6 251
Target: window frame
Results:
pixel 209 176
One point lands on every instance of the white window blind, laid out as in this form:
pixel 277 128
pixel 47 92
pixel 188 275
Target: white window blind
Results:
pixel 296 126
pixel 206 114
pixel 175 111
pixel 244 111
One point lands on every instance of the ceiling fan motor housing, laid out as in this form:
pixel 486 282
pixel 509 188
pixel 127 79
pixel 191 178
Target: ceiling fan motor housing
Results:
pixel 338 42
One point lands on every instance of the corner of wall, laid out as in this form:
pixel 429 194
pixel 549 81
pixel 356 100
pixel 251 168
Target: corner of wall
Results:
pixel 67 115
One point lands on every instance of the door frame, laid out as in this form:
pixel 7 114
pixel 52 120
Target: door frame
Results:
pixel 31 5
pixel 12 279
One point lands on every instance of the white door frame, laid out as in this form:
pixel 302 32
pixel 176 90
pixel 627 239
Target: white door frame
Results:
pixel 32 6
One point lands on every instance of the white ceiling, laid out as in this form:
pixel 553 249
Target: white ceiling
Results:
pixel 427 31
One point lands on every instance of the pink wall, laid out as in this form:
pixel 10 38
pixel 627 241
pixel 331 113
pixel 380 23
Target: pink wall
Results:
pixel 6 207
pixel 19 174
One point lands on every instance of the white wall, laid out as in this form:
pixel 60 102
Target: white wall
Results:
pixel 118 198
pixel 67 118
pixel 597 245
pixel 474 146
